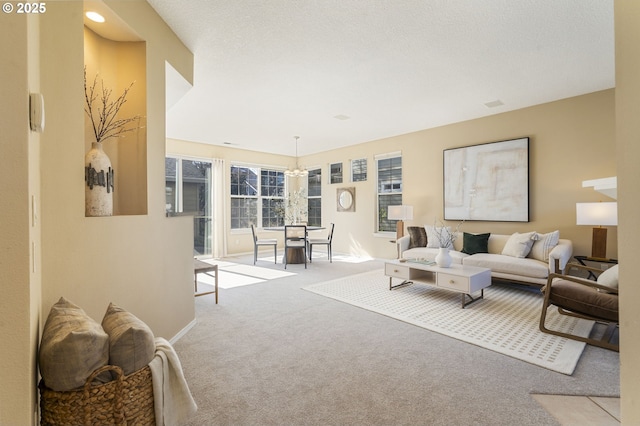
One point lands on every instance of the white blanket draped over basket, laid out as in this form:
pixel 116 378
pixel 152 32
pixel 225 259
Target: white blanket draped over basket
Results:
pixel 171 395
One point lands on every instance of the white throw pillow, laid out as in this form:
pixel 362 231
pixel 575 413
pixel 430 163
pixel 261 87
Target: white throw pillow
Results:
pixel 609 277
pixel 519 245
pixel 543 245
pixel 433 235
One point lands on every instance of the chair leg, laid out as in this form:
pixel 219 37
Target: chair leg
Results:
pixel 310 253
pixel 286 252
pixel 330 254
pixel 603 343
pixel 255 254
pixel 305 257
pixel 275 254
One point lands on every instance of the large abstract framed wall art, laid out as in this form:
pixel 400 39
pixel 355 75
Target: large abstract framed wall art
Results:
pixel 487 182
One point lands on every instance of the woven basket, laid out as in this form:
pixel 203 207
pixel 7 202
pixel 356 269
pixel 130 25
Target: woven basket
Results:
pixel 126 400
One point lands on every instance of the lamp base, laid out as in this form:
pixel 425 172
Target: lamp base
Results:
pixel 399 229
pixel 599 243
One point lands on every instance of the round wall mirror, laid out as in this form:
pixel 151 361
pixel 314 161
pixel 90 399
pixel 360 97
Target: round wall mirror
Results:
pixel 346 199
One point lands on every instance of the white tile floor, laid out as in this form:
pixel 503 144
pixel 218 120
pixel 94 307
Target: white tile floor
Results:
pixel 581 410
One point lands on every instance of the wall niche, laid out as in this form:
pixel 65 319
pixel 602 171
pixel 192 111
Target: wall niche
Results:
pixel 117 64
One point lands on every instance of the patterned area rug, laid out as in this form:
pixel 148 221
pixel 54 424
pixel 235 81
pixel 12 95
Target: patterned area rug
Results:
pixel 505 321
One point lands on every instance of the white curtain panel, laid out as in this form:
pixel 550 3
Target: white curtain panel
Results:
pixel 219 236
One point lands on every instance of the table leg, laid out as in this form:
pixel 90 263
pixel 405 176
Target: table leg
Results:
pixel 405 282
pixel 215 290
pixel 465 295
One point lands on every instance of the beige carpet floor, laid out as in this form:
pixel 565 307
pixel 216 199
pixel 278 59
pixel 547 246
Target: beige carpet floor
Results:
pixel 271 353
pixel 504 321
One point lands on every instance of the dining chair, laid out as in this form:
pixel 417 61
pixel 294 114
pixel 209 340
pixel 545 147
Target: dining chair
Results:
pixel 263 242
pixel 321 241
pixel 295 238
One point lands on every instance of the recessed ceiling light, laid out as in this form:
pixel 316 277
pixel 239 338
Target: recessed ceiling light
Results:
pixel 494 104
pixel 95 16
pixel 341 117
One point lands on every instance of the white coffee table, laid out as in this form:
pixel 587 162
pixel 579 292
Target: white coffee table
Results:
pixel 459 278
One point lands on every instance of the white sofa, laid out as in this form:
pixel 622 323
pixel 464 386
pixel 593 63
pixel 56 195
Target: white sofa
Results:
pixel 527 270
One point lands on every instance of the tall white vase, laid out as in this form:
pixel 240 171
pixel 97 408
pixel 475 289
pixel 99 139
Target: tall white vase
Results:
pixel 98 176
pixel 443 258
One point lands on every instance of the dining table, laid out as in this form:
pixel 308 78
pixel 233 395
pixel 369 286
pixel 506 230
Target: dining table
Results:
pixel 294 255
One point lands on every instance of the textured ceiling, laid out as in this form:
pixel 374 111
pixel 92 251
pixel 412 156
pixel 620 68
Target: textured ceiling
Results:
pixel 266 71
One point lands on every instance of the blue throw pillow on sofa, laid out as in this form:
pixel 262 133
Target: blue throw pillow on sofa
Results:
pixel 475 243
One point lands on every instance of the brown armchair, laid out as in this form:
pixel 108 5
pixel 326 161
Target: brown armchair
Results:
pixel 584 298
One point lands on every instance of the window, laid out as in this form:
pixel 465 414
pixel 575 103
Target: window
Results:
pixel 359 170
pixel 257 197
pixel 389 168
pixel 188 190
pixel 314 199
pixel 335 171
pixel 272 184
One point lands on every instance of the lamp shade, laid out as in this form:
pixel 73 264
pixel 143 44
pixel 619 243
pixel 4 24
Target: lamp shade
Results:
pixel 603 214
pixel 400 212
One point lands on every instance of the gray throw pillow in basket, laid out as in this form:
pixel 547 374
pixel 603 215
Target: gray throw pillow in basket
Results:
pixel 73 346
pixel 131 342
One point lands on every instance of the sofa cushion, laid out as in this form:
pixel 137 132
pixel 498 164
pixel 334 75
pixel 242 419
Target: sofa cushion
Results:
pixel 73 346
pixel 475 243
pixel 417 236
pixel 509 265
pixel 543 245
pixel 519 245
pixel 131 341
pixel 434 234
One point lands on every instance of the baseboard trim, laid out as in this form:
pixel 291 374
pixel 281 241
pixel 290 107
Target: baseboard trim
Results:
pixel 184 331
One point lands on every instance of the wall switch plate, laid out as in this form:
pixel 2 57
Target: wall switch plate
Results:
pixel 36 112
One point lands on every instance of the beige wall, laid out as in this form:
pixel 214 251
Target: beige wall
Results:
pixel 20 243
pixel 141 262
pixel 120 259
pixel 570 141
pixel 627 16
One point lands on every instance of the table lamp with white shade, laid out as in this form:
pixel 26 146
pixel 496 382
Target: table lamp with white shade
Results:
pixel 599 214
pixel 400 213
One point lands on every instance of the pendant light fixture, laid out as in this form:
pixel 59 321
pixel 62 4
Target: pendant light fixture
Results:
pixel 298 171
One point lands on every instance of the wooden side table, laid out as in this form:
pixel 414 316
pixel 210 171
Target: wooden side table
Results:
pixel 200 267
pixel 583 259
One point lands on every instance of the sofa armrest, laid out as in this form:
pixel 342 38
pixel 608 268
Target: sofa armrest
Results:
pixel 403 244
pixel 562 253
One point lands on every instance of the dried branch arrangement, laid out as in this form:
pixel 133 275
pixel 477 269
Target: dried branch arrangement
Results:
pixel 446 236
pixel 104 116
